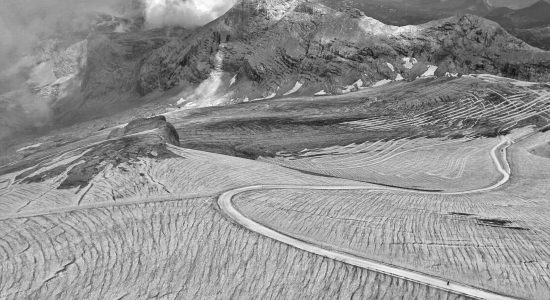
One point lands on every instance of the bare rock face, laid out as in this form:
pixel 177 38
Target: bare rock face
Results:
pixel 157 124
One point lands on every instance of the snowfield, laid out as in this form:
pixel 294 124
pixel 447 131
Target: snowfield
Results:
pixel 430 189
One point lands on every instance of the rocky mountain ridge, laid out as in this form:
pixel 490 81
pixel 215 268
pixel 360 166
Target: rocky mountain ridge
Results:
pixel 531 24
pixel 270 47
pixel 532 16
pixel 524 23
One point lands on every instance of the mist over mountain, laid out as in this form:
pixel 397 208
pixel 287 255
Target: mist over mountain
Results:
pixel 190 13
pixel 28 23
pixel 44 46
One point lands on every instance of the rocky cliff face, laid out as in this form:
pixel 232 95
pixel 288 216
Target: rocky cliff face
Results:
pixel 270 48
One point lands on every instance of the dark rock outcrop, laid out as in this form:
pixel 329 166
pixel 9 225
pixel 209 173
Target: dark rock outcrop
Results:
pixel 157 124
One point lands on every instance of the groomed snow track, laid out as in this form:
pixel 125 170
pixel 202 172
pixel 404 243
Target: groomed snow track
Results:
pixel 499 156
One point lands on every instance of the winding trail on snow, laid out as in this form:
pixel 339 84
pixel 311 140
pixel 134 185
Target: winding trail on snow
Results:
pixel 499 156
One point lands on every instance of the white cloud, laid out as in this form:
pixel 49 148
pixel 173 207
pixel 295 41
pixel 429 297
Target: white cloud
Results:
pixel 187 13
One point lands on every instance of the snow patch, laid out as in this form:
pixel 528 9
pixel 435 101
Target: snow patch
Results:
pixel 29 147
pixel 265 98
pixel 63 80
pixel 190 105
pixel 523 83
pixel 448 74
pixel 296 87
pixel 321 93
pixel 392 68
pixel 381 83
pixel 409 62
pixel 60 161
pixel 399 77
pixel 233 80
pixel 208 92
pixel 430 72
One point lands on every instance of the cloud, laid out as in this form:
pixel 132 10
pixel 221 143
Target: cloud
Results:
pixel 22 110
pixel 28 25
pixel 31 30
pixel 24 23
pixel 186 13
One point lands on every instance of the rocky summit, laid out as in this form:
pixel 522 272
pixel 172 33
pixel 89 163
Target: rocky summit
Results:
pixel 158 125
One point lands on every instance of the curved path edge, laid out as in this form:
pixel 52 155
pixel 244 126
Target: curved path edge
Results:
pixel 225 202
